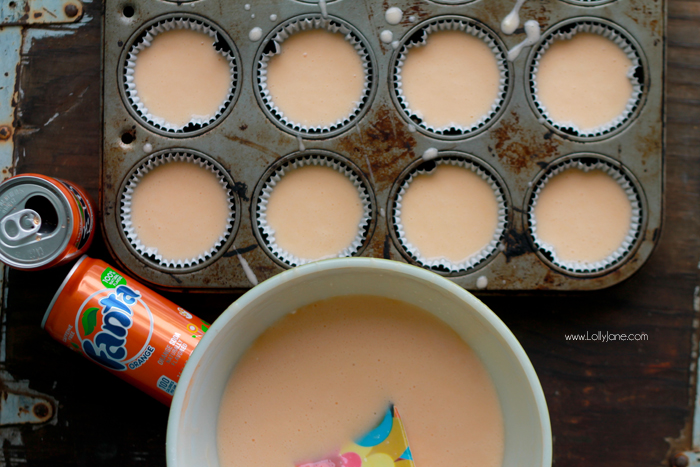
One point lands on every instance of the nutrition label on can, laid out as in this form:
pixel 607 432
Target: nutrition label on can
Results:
pixel 166 384
pixel 173 351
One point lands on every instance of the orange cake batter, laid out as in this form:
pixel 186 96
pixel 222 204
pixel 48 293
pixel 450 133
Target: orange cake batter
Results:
pixel 180 209
pixel 583 216
pixel 315 212
pixel 449 213
pixel 326 374
pixel 453 80
pixel 181 77
pixel 317 79
pixel 583 81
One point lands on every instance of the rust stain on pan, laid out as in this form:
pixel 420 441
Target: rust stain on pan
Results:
pixel 379 246
pixel 385 143
pixel 252 144
pixel 519 148
pixel 644 16
pixel 549 279
pixel 516 244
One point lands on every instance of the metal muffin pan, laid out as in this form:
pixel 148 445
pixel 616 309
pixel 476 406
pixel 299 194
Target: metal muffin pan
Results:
pixel 381 142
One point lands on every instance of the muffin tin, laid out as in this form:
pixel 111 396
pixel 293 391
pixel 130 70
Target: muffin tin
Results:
pixel 516 145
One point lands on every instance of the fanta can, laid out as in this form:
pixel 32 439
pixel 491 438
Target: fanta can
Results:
pixel 44 222
pixel 124 327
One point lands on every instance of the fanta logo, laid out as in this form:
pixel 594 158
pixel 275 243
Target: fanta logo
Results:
pixel 117 308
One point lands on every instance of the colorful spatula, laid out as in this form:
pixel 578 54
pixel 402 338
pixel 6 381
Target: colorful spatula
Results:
pixel 384 446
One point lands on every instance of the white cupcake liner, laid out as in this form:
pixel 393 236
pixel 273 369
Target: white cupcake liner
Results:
pixel 635 221
pixel 144 42
pixel 305 24
pixel 468 28
pixel 325 161
pixel 152 252
pixel 621 41
pixel 477 257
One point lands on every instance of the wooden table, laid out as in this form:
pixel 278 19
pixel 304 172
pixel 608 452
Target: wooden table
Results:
pixel 611 404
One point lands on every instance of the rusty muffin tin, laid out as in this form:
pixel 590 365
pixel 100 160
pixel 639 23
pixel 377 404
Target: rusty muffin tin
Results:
pixel 516 145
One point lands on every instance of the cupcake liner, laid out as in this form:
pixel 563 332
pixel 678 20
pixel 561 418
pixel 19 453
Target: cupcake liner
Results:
pixel 566 33
pixel 635 222
pixel 468 28
pixel 325 161
pixel 477 257
pixel 272 48
pixel 152 252
pixel 145 41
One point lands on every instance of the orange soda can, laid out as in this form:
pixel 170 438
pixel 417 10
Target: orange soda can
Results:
pixel 44 222
pixel 124 327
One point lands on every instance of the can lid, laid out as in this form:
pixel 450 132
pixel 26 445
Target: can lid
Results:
pixel 36 222
pixel 60 289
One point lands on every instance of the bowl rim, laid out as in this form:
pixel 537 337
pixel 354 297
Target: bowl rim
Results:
pixel 253 294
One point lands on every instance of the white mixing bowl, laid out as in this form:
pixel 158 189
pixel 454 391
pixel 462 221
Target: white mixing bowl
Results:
pixel 191 438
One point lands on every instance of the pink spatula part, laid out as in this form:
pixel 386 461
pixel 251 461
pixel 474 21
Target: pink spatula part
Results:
pixel 384 446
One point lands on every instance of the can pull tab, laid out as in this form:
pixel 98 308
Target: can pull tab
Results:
pixel 21 224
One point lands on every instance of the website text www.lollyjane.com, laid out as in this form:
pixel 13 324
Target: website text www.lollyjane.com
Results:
pixel 601 336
